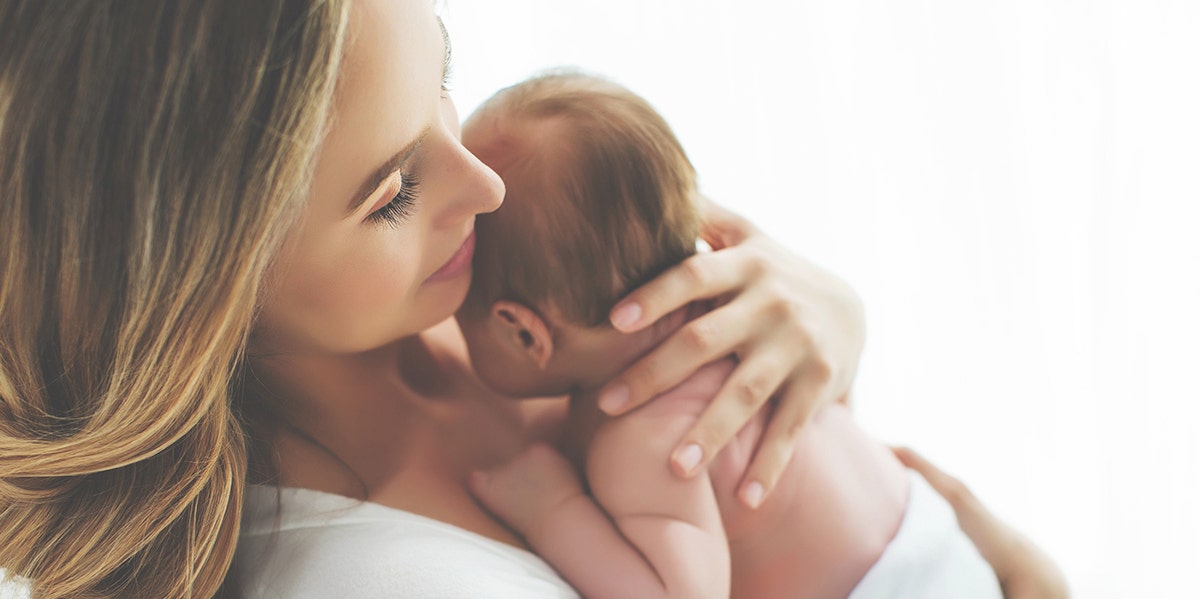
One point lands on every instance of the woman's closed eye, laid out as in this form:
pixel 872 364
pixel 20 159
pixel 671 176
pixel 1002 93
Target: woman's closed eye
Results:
pixel 401 206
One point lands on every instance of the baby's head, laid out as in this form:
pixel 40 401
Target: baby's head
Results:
pixel 600 198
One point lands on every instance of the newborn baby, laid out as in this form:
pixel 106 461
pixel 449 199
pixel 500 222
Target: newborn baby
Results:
pixel 600 199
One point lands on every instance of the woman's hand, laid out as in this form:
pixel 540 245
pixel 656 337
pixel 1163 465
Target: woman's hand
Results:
pixel 1024 571
pixel 797 332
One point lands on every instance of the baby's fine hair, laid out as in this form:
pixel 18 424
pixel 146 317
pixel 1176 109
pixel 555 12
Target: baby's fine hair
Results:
pixel 600 197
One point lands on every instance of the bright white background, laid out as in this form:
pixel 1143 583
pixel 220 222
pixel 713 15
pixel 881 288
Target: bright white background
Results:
pixel 1011 186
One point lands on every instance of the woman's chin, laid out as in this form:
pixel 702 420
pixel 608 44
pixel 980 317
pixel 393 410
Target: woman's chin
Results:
pixel 439 301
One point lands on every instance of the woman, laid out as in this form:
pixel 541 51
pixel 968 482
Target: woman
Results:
pixel 233 233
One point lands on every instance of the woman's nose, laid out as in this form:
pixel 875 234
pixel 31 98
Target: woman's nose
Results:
pixel 477 188
pixel 471 186
pixel 491 185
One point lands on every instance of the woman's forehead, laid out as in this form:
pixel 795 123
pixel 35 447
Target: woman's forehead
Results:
pixel 387 93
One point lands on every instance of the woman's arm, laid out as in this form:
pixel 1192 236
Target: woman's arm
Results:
pixel 1024 570
pixel 796 330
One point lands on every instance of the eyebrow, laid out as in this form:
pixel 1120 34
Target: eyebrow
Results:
pixel 385 170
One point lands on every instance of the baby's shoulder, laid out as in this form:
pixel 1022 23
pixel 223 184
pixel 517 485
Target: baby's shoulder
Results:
pixel 694 393
pixel 658 424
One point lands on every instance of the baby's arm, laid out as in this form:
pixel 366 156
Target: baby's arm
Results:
pixel 665 537
pixel 674 523
pixel 539 495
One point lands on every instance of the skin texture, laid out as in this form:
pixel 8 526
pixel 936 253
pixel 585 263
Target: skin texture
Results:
pixel 1024 570
pixel 836 509
pixel 348 300
pixel 821 323
pixel 639 530
pixel 348 284
pixel 372 381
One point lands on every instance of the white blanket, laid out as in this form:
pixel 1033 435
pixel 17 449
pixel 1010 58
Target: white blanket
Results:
pixel 325 546
pixel 930 557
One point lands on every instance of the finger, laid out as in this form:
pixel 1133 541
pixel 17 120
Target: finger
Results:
pixel 994 539
pixel 799 402
pixel 953 490
pixel 744 393
pixel 703 340
pixel 1023 569
pixel 701 276
pixel 721 228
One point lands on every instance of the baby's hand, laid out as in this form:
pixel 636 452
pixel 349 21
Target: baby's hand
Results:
pixel 528 488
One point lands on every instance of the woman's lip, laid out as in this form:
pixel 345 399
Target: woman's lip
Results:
pixel 458 263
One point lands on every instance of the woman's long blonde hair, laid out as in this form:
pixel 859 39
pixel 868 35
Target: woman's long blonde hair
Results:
pixel 153 155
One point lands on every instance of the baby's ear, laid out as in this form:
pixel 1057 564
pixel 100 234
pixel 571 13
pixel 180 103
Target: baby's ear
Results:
pixel 525 330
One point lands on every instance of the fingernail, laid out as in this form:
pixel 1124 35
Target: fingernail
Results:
pixel 689 457
pixel 614 398
pixel 752 494
pixel 626 316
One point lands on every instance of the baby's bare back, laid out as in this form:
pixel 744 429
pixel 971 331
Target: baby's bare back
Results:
pixel 836 508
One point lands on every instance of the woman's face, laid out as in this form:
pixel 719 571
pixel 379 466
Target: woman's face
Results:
pixel 384 250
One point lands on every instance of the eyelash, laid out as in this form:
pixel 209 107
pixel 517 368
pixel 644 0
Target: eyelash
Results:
pixel 398 210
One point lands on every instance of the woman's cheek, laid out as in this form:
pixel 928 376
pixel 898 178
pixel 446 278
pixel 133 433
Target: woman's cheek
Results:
pixel 355 300
pixel 385 285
